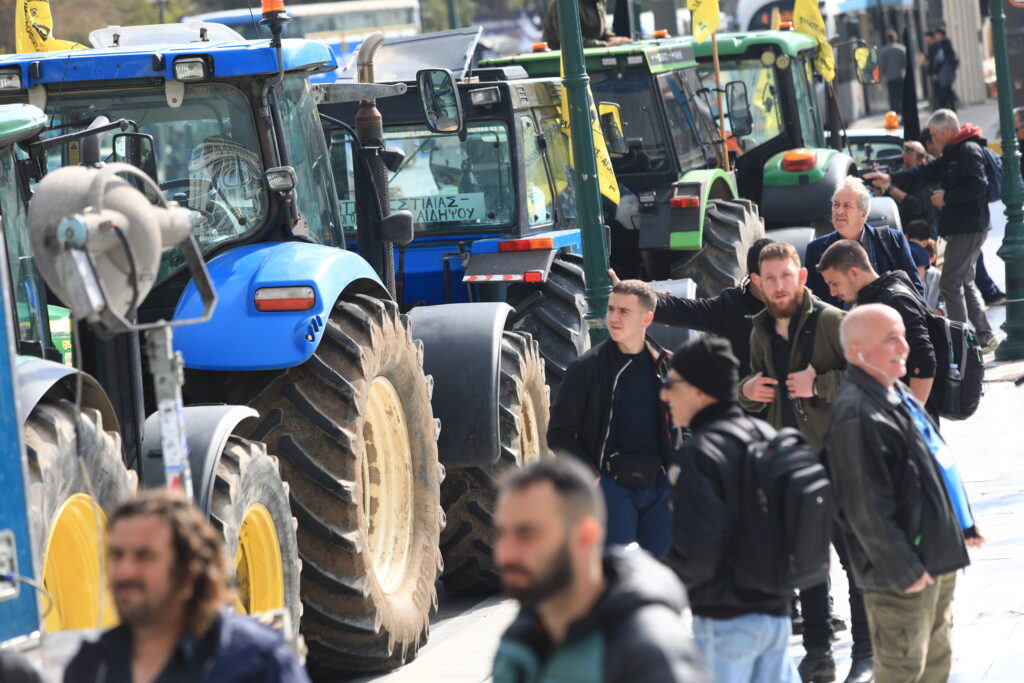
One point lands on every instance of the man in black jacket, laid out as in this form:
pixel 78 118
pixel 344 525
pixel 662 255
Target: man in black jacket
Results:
pixel 608 415
pixel 613 619
pixel 743 634
pixel 849 276
pixel 964 219
pixel 168 573
pixel 899 516
pixel 728 315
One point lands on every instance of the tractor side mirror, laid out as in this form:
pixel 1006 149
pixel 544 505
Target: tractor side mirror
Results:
pixel 611 125
pixel 741 121
pixel 866 59
pixel 397 227
pixel 439 97
pixel 136 149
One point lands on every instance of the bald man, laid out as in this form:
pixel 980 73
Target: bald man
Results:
pixel 904 517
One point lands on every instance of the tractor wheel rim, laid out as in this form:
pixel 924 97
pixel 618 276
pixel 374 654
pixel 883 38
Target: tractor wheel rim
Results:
pixel 258 564
pixel 387 480
pixel 529 437
pixel 74 568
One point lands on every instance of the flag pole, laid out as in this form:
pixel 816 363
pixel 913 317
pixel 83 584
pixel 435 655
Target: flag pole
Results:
pixel 718 91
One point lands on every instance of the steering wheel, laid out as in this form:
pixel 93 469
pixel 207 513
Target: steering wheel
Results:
pixel 217 219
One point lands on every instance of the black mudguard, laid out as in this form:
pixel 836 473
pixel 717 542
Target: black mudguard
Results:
pixel 798 237
pixel 37 378
pixel 884 213
pixel 207 429
pixel 462 350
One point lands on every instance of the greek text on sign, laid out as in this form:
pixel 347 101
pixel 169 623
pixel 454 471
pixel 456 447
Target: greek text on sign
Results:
pixel 440 208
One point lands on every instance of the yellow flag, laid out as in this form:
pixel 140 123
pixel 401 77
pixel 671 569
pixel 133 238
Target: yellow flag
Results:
pixel 33 29
pixel 705 17
pixel 605 173
pixel 807 19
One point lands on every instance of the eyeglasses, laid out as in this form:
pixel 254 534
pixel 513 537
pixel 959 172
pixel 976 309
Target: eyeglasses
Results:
pixel 667 383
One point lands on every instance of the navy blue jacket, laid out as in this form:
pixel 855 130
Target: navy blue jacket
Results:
pixel 881 263
pixel 243 651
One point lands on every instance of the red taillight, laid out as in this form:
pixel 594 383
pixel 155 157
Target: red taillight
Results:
pixel 533 276
pixel 268 299
pixel 799 160
pixel 684 202
pixel 527 244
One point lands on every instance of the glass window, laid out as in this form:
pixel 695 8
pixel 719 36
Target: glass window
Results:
pixel 807 104
pixel 537 190
pixel 25 277
pixel 562 172
pixel 642 126
pixel 688 123
pixel 208 154
pixel 762 93
pixel 450 186
pixel 307 154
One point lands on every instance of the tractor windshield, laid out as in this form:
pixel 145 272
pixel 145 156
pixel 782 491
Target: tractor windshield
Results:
pixel 207 153
pixel 448 185
pixel 689 120
pixel 642 126
pixel 762 93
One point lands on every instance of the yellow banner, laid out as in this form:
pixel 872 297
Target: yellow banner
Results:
pixel 33 29
pixel 705 17
pixel 605 173
pixel 807 19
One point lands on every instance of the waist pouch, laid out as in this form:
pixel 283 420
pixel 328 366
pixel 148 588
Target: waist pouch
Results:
pixel 633 470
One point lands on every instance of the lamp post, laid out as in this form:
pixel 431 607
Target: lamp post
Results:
pixel 588 192
pixel 1012 250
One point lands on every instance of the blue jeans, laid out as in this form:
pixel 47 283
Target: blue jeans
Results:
pixel 638 514
pixel 753 648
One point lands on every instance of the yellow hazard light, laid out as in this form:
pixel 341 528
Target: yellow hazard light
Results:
pixel 892 120
pixel 661 33
pixel 799 160
pixel 539 47
pixel 273 6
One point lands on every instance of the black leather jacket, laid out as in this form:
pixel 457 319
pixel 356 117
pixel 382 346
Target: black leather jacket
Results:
pixel 705 508
pixel 894 511
pixel 582 415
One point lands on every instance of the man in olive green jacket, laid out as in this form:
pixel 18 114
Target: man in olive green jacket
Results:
pixel 797 394
pixel 596 32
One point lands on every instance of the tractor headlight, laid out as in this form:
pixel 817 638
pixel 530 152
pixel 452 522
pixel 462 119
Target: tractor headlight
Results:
pixel 10 80
pixel 190 69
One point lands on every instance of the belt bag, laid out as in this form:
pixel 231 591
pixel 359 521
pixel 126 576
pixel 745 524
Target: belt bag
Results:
pixel 633 470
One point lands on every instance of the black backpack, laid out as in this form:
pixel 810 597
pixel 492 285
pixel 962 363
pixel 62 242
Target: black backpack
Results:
pixel 781 539
pixel 959 369
pixel 993 175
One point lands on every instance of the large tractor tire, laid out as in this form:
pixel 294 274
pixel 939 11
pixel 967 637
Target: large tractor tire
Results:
pixel 554 313
pixel 250 506
pixel 75 477
pixel 731 226
pixel 357 443
pixel 468 494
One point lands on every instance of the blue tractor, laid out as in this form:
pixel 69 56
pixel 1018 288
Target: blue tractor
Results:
pixel 482 164
pixel 306 342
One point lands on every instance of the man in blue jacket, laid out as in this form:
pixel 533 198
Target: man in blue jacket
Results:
pixel 168 572
pixel 888 250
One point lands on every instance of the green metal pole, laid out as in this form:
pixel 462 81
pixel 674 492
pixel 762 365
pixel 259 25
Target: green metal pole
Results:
pixel 453 16
pixel 1012 251
pixel 588 192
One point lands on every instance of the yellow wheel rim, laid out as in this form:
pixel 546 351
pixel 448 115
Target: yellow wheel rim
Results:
pixel 74 570
pixel 529 437
pixel 387 484
pixel 258 566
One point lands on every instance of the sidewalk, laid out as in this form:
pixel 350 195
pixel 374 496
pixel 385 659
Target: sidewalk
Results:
pixel 985 115
pixel 989 604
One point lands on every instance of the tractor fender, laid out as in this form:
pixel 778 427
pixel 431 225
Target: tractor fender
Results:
pixel 462 350
pixel 207 429
pixel 797 198
pixel 682 228
pixel 671 338
pixel 488 264
pixel 38 378
pixel 237 336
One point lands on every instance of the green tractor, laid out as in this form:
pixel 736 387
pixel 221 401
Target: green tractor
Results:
pixel 681 215
pixel 783 163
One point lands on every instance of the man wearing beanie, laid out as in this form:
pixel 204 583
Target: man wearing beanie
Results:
pixel 608 415
pixel 743 634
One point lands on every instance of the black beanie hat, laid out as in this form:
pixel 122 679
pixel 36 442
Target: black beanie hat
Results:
pixel 709 364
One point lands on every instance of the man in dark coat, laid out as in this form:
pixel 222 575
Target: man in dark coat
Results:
pixel 596 32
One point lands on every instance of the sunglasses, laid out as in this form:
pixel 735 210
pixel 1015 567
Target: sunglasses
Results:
pixel 667 383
